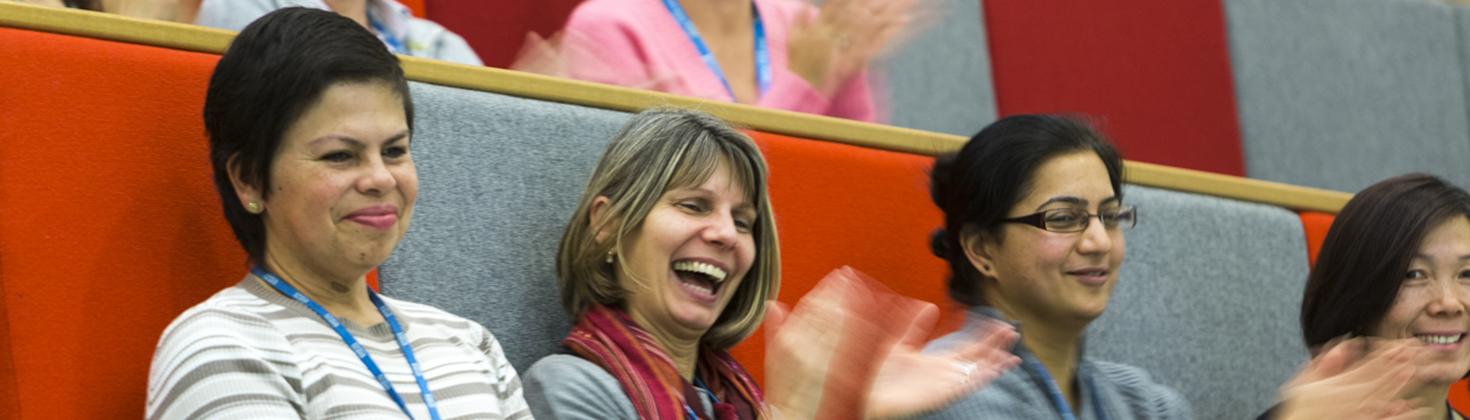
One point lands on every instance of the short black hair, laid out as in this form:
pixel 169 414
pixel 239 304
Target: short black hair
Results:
pixel 1367 251
pixel 977 186
pixel 275 69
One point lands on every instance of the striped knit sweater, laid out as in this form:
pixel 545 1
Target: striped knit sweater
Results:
pixel 249 352
pixel 1122 392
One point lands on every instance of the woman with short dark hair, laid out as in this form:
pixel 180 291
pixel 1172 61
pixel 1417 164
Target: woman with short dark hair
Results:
pixel 1394 270
pixel 310 121
pixel 1033 234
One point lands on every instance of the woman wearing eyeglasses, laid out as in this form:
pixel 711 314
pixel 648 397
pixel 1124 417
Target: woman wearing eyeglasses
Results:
pixel 1033 234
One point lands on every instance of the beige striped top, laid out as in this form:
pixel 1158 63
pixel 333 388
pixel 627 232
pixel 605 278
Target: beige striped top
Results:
pixel 249 352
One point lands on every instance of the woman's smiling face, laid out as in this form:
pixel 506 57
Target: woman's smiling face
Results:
pixel 687 258
pixel 342 183
pixel 1045 275
pixel 1432 302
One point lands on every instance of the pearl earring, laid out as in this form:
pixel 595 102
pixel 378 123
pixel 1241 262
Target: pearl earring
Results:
pixel 252 207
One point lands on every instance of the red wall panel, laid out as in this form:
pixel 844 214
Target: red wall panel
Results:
pixel 496 29
pixel 1157 73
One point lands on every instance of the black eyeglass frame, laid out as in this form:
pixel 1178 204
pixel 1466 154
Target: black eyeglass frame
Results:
pixel 1038 219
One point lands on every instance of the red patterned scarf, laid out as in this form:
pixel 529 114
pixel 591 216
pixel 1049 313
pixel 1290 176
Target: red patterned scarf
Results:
pixel 610 339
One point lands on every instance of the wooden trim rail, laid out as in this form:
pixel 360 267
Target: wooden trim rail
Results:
pixel 533 86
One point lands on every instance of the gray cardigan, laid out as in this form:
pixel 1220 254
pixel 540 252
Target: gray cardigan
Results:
pixel 1120 391
pixel 562 386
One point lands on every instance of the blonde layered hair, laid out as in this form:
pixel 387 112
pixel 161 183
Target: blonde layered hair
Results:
pixel 657 151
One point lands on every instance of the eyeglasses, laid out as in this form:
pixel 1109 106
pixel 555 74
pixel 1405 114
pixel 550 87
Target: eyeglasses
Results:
pixel 1069 220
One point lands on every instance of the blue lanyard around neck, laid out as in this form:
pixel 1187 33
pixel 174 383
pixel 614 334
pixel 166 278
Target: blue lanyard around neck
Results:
pixel 1055 393
pixel 762 51
pixel 394 45
pixel 362 354
pixel 701 389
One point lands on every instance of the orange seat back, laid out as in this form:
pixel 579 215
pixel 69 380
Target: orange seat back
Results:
pixel 880 226
pixel 111 224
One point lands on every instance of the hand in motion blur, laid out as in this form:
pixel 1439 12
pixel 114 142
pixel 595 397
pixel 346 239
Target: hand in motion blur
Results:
pixel 1350 380
pixel 911 382
pixel 829 46
pixel 553 56
pixel 800 345
pixel 169 10
pixel 541 55
pixel 851 348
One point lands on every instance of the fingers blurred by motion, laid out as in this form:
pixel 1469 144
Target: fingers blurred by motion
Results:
pixel 852 348
pixel 1355 378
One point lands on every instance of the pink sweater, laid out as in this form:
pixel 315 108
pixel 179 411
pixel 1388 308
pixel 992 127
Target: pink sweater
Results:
pixel 638 43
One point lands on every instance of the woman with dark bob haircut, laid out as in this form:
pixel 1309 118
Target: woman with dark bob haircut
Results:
pixel 1033 234
pixel 1394 271
pixel 309 121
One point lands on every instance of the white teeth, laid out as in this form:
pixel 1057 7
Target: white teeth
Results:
pixel 699 288
pixel 707 269
pixel 1440 339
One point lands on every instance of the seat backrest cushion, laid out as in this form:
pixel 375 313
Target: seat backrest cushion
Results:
pixel 499 177
pixel 1207 300
pixel 111 224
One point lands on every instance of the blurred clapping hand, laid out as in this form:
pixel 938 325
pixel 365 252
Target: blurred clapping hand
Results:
pixel 552 56
pixel 168 10
pixel 1355 378
pixel 851 348
pixel 828 46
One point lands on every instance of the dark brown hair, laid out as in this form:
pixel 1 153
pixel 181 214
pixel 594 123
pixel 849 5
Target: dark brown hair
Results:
pixel 275 69
pixel 1368 250
pixel 978 185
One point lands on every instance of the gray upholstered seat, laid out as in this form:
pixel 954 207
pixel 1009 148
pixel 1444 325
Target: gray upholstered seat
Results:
pixel 1208 300
pixel 498 176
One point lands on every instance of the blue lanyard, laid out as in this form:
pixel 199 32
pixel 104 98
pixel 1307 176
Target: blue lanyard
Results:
pixel 762 52
pixel 1055 393
pixel 388 39
pixel 362 354
pixel 703 389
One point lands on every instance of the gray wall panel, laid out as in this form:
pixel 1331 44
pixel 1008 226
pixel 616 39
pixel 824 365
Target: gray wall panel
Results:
pixel 940 80
pixel 1339 94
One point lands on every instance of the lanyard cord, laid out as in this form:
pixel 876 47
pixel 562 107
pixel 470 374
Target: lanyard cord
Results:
pixel 1055 394
pixel 394 44
pixel 357 348
pixel 762 51
pixel 703 390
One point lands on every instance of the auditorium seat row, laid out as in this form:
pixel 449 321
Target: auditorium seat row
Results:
pixel 110 226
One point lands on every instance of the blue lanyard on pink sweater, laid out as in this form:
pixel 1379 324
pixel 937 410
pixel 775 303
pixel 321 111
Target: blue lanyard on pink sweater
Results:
pixel 762 51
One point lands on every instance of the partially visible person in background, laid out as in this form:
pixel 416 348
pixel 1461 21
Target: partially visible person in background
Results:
pixel 391 21
pixel 1386 308
pixel 169 10
pixel 783 54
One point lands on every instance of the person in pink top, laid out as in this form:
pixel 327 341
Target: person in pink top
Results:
pixel 783 54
